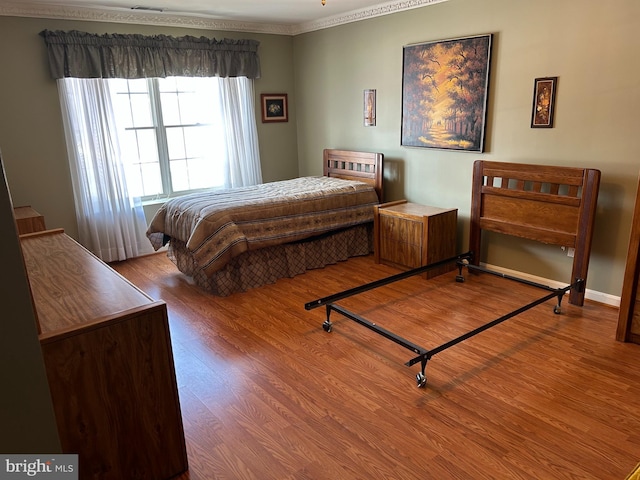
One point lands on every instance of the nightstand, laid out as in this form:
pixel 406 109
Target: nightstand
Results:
pixel 28 220
pixel 408 235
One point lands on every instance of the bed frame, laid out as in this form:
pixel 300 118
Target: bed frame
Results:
pixel 550 204
pixel 363 166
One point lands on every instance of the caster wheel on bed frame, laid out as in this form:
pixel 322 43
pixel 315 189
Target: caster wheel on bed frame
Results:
pixel 557 310
pixel 459 279
pixel 421 380
pixel 327 326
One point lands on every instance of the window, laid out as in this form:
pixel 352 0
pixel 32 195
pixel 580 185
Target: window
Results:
pixel 170 133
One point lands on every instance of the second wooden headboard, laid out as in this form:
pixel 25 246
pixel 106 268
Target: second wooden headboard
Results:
pixel 549 204
pixel 352 165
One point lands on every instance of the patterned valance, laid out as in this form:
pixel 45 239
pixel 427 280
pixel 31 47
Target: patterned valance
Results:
pixel 86 55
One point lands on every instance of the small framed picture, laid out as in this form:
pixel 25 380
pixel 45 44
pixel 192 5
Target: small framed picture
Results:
pixel 369 108
pixel 544 99
pixel 274 107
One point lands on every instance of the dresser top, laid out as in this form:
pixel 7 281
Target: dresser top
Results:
pixel 23 212
pixel 71 286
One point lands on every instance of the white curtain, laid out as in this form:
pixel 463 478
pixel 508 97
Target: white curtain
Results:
pixel 111 224
pixel 239 124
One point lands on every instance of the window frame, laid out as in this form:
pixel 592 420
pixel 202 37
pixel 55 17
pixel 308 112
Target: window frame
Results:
pixel 159 126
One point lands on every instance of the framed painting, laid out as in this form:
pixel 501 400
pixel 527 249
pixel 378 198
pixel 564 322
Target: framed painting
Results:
pixel 544 99
pixel 445 86
pixel 274 107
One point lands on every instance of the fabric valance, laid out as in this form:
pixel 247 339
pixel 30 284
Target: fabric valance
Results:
pixel 86 55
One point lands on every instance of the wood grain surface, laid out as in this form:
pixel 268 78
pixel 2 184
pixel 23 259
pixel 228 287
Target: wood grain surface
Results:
pixel 267 394
pixel 108 355
pixel 71 286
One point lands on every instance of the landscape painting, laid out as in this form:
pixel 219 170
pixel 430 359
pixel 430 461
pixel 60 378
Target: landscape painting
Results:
pixel 444 93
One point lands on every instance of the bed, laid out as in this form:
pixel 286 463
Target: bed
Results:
pixel 232 240
pixel 550 204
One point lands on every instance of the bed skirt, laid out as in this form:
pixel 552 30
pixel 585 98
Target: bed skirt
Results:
pixel 261 267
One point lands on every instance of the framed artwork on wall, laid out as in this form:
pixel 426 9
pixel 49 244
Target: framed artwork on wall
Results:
pixel 369 108
pixel 445 86
pixel 274 107
pixel 544 99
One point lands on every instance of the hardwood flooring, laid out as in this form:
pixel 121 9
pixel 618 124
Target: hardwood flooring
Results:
pixel 266 393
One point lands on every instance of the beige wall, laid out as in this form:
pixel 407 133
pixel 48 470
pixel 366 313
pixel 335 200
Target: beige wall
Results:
pixel 591 46
pixel 31 132
pixel 26 411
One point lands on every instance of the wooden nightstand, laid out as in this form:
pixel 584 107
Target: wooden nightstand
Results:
pixel 409 235
pixel 28 220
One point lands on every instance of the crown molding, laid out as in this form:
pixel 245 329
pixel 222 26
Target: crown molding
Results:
pixel 362 14
pixel 112 15
pixel 108 15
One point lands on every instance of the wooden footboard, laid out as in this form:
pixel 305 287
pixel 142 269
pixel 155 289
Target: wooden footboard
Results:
pixel 549 204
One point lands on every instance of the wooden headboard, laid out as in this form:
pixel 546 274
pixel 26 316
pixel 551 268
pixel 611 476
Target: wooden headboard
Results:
pixel 363 166
pixel 549 204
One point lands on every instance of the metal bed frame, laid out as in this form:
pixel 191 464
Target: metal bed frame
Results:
pixel 464 260
pixel 554 205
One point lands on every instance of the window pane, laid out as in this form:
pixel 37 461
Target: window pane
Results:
pixel 188 84
pixel 190 109
pixel 179 175
pixel 122 109
pixel 204 173
pixel 147 145
pixel 151 178
pixel 138 85
pixel 134 180
pixel 170 108
pixel 132 102
pixel 187 101
pixel 149 163
pixel 198 140
pixel 207 99
pixel 171 89
pixel 175 143
pixel 141 159
pixel 168 84
pixel 118 85
pixel 141 109
pixel 121 103
pixel 129 146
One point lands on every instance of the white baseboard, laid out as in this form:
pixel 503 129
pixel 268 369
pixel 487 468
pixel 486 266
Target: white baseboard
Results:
pixel 596 296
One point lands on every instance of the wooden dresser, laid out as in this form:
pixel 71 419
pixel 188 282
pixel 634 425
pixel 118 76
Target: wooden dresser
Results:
pixel 109 363
pixel 28 220
pixel 410 235
pixel 629 315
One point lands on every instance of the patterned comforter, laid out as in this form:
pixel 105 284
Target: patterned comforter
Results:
pixel 218 225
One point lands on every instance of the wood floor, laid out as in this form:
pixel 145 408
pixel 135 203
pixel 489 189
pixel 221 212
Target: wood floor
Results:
pixel 266 393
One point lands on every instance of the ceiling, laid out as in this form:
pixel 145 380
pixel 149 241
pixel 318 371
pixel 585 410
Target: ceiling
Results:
pixel 287 17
